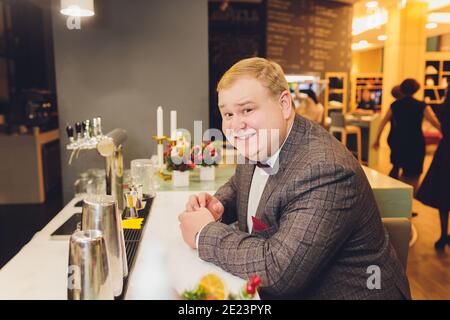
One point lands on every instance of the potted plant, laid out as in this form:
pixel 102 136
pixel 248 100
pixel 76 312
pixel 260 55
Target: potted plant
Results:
pixel 179 162
pixel 207 156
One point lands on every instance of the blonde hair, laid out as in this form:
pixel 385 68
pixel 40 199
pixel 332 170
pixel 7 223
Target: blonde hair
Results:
pixel 268 73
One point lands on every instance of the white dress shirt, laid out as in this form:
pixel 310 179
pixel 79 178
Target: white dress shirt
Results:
pixel 259 181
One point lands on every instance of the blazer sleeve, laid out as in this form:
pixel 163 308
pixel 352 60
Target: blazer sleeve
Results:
pixel 227 196
pixel 313 226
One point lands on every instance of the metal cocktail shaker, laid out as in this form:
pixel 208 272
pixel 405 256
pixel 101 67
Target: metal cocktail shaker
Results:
pixel 89 275
pixel 100 213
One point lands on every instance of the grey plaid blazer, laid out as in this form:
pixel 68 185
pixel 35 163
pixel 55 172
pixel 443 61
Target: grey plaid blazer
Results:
pixel 324 232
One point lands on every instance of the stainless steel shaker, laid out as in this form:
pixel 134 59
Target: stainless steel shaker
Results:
pixel 89 273
pixel 100 212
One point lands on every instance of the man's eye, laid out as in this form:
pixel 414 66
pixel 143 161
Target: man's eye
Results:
pixel 247 111
pixel 228 115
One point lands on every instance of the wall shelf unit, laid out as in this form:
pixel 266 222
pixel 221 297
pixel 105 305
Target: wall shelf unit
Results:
pixel 367 81
pixel 437 77
pixel 336 92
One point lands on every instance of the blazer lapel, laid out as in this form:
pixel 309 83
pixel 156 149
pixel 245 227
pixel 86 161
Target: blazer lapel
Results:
pixel 289 147
pixel 245 184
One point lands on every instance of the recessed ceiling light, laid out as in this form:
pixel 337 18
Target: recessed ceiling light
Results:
pixel 372 4
pixel 439 17
pixel 77 8
pixel 382 37
pixel 431 25
pixel 360 45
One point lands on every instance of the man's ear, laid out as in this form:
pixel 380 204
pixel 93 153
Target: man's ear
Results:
pixel 286 104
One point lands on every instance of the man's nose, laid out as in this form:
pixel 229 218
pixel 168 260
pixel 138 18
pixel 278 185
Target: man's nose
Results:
pixel 238 123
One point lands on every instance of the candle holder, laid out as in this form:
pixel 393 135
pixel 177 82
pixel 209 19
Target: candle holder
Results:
pixel 160 141
pixel 172 142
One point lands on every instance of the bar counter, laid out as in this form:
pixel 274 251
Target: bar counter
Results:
pixel 165 265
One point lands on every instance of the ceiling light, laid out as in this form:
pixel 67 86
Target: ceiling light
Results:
pixel 372 4
pixel 431 25
pixel 382 37
pixel 439 17
pixel 77 8
pixel 360 45
pixel 363 24
pixel 437 4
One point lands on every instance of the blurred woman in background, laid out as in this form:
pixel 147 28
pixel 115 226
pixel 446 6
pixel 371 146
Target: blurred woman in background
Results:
pixel 435 188
pixel 311 108
pixel 406 138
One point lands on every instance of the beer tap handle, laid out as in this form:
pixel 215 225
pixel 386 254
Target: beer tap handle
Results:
pixel 78 128
pixel 94 127
pixel 69 130
pixel 99 126
pixel 87 133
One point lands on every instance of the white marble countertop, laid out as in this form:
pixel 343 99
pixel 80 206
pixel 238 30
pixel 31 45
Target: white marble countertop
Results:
pixel 164 266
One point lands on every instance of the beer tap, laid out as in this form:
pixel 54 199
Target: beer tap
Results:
pixel 94 128
pixel 99 126
pixel 70 134
pixel 87 131
pixel 78 130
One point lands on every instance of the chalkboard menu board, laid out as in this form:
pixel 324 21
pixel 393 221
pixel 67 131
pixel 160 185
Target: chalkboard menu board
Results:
pixel 236 31
pixel 309 35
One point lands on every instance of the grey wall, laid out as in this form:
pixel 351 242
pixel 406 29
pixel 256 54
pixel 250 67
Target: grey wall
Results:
pixel 131 57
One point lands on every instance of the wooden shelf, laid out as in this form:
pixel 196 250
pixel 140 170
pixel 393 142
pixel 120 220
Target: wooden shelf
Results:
pixel 436 93
pixel 365 81
pixel 435 88
pixel 343 79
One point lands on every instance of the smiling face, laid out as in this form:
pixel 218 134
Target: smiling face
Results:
pixel 248 109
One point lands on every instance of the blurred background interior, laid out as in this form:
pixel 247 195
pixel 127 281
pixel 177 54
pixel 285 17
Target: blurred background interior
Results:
pixel 342 58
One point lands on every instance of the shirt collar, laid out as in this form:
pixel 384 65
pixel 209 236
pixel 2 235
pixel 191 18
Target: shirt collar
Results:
pixel 273 158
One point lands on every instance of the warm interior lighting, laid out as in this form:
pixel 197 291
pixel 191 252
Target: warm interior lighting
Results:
pixel 372 4
pixel 299 78
pixel 438 4
pixel 431 25
pixel 363 24
pixel 430 70
pixel 77 8
pixel 360 45
pixel 439 17
pixel 382 37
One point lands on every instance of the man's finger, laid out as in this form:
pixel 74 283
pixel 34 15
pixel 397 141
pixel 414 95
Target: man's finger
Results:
pixel 202 199
pixel 215 205
pixel 218 207
pixel 181 216
pixel 193 203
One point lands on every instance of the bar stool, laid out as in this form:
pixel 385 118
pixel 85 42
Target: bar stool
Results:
pixel 338 126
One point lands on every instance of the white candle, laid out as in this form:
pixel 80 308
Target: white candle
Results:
pixel 173 124
pixel 159 122
pixel 160 156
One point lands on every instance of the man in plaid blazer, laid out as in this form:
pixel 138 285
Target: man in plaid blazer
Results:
pixel 307 221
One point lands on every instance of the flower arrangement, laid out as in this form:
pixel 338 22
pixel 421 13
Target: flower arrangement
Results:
pixel 211 287
pixel 178 158
pixel 208 154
